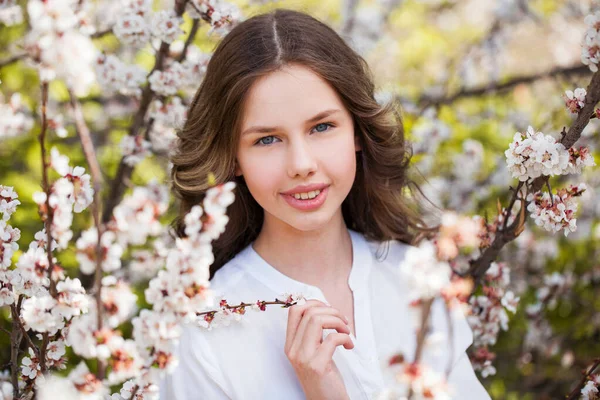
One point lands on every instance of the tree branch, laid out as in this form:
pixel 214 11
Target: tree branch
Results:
pixel 90 155
pixel 428 101
pixel 482 264
pixel 124 171
pixel 12 59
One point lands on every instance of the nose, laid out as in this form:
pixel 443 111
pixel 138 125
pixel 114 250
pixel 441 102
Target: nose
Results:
pixel 301 160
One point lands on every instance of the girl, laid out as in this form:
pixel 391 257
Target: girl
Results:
pixel 287 110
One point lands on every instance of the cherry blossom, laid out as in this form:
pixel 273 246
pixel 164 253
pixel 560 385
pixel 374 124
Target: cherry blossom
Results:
pixel 590 47
pixel 59 44
pixel 15 120
pixel 71 299
pixel 137 216
pixel 8 241
pixel 86 251
pixel 579 158
pixel 488 315
pixel 86 383
pixel 134 149
pixel 557 211
pixel 171 114
pixel 116 76
pixel 223 16
pixel 31 368
pixel 423 382
pixel 41 315
pixel 118 300
pixel 166 26
pixel 425 275
pixel 575 100
pixel 534 154
pixel 590 390
pixel 167 82
pixel 10 14
pixel 132 29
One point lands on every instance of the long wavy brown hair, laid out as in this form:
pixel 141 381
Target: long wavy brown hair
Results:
pixel 381 204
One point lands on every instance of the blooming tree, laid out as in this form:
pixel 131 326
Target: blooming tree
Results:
pixel 126 245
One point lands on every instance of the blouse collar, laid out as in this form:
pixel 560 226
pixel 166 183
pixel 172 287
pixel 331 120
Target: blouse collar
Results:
pixel 280 283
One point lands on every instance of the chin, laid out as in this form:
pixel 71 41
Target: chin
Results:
pixel 308 223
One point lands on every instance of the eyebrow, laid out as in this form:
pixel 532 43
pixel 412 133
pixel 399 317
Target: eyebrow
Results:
pixel 267 129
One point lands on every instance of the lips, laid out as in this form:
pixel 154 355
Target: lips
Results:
pixel 306 188
pixel 307 204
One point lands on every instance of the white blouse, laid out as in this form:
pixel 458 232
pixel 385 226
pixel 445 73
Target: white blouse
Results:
pixel 246 359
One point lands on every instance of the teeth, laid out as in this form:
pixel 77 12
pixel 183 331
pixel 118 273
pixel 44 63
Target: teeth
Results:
pixel 308 195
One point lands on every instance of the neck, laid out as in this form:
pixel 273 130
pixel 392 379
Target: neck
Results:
pixel 321 257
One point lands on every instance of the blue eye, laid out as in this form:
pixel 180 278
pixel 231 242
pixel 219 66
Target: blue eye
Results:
pixel 324 124
pixel 266 140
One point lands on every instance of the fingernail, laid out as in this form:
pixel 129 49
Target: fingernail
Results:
pixel 346 319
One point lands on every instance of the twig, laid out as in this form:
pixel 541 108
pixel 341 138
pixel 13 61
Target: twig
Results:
pixel 46 186
pixel 482 264
pixel 12 59
pixel 15 344
pixel 99 34
pixel 90 155
pixel 124 171
pixel 428 101
pixel 189 40
pixel 421 335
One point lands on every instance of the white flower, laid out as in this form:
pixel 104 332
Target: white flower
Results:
pixel 72 300
pixel 11 14
pixel 56 350
pixel 589 391
pixel 116 76
pixel 59 162
pixel 136 217
pixel 31 367
pixel 171 114
pixel 132 29
pixel 578 159
pixel 590 48
pixel 14 118
pixel 86 382
pixel 40 314
pixel 510 301
pixel 118 300
pixel 556 212
pixel 166 25
pixel 8 243
pixel 167 82
pixel 534 154
pixel 86 251
pixel 134 149
pixel 575 100
pixel 424 274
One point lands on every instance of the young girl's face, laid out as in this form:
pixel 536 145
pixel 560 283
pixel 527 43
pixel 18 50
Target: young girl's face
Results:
pixel 296 131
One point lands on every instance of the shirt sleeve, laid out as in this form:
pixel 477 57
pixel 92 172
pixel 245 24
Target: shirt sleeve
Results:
pixel 197 374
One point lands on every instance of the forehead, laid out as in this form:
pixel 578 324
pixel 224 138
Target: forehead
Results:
pixel 294 93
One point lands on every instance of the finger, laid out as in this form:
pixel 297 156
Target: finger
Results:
pixel 295 314
pixel 310 313
pixel 325 351
pixel 308 341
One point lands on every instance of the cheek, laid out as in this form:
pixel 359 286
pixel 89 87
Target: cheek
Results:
pixel 260 175
pixel 342 162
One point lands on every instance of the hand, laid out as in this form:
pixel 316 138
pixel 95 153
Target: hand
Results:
pixel 310 355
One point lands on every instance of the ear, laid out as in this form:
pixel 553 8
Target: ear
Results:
pixel 238 170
